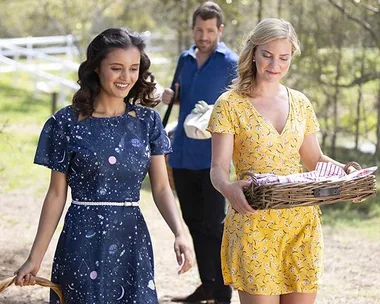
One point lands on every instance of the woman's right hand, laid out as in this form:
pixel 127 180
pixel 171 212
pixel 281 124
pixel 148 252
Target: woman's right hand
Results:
pixel 184 253
pixel 26 274
pixel 233 192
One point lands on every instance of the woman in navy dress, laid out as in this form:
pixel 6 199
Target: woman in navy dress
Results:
pixel 102 147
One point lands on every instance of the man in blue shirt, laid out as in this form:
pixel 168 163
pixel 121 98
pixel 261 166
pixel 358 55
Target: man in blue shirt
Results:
pixel 203 73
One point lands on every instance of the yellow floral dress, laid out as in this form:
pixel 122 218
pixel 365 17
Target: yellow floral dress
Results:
pixel 270 252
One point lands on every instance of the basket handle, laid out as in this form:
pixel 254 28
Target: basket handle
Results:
pixel 352 164
pixel 251 175
pixel 4 284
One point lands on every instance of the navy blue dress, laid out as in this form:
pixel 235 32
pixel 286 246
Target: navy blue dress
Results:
pixel 104 253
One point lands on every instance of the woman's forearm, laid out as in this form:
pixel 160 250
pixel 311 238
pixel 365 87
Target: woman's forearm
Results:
pixel 166 205
pixel 311 153
pixel 163 195
pixel 222 147
pixel 50 215
pixel 326 159
pixel 220 177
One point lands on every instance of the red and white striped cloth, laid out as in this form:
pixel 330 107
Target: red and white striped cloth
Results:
pixel 323 172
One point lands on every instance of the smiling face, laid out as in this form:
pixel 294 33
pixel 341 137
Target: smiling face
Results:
pixel 272 60
pixel 206 34
pixel 118 72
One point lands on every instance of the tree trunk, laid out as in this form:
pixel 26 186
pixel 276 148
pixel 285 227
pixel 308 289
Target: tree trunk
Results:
pixel 359 101
pixel 326 130
pixel 183 32
pixel 279 8
pixel 300 27
pixel 260 11
pixel 377 151
pixel 179 39
pixel 336 98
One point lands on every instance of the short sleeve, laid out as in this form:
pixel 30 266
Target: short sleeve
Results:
pixel 158 140
pixel 312 125
pixel 221 120
pixel 52 149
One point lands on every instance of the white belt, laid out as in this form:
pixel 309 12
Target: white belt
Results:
pixel 122 204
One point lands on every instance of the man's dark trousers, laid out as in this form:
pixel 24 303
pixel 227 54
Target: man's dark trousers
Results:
pixel 203 210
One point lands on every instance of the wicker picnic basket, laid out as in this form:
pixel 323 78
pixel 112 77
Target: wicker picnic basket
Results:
pixel 39 281
pixel 280 196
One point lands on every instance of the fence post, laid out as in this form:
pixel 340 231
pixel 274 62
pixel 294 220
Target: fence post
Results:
pixel 69 46
pixel 16 73
pixel 54 98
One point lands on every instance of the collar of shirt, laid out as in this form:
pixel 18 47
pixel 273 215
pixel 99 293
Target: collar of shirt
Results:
pixel 220 48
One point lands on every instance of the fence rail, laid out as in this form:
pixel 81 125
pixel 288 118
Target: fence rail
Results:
pixel 15 52
pixel 56 79
pixel 68 39
pixel 33 56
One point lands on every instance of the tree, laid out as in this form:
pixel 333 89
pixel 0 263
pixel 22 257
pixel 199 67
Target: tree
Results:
pixel 371 24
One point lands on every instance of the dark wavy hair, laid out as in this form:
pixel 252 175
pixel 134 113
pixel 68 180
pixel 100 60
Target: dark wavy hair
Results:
pixel 98 49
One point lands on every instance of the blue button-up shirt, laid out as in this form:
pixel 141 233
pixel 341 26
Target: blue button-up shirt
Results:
pixel 204 83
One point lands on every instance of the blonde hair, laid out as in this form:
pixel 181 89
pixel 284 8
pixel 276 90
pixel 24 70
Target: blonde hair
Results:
pixel 267 30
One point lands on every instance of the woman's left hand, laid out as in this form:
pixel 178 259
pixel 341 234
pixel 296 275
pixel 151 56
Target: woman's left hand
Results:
pixel 349 170
pixel 184 253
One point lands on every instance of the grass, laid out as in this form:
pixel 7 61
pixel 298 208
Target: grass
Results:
pixel 17 171
pixel 356 219
pixel 21 107
pixel 22 115
pixel 364 218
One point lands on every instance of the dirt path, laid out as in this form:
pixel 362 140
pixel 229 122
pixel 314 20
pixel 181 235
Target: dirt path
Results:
pixel 352 268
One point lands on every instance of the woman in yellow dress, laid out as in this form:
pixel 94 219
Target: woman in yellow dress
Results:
pixel 269 256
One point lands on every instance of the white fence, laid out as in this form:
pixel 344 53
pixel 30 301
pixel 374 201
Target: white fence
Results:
pixel 57 45
pixel 33 56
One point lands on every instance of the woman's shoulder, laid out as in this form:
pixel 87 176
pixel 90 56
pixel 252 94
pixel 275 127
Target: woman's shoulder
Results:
pixel 65 115
pixel 142 109
pixel 60 122
pixel 298 97
pixel 230 96
pixel 296 94
pixel 233 99
pixel 145 114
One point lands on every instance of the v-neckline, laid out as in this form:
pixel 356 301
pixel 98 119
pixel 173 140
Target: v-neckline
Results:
pixel 266 121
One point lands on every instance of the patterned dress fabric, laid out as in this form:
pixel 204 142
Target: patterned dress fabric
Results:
pixel 104 253
pixel 270 252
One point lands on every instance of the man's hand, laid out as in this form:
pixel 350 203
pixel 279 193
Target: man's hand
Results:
pixel 168 94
